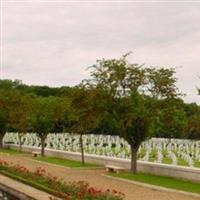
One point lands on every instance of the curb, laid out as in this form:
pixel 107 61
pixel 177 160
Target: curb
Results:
pixel 21 190
pixel 154 187
pixel 20 195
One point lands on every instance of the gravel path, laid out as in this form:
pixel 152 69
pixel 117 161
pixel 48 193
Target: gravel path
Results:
pixel 95 178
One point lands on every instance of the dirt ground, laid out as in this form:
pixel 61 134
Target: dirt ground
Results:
pixel 94 178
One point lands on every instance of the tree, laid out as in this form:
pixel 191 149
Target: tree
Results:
pixel 42 119
pixel 8 96
pixel 22 106
pixel 49 115
pixel 83 118
pixel 191 109
pixel 130 95
pixel 192 128
pixel 170 119
pixel 6 101
pixel 34 90
pixel 3 117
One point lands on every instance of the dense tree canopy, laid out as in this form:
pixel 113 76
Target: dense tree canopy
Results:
pixel 5 112
pixel 43 91
pixel 49 116
pixel 131 94
pixel 129 100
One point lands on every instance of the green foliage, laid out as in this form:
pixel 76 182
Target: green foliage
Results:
pixel 20 119
pixel 132 93
pixel 42 117
pixel 49 114
pixel 8 98
pixel 121 98
pixel 191 109
pixel 192 128
pixel 170 119
pixel 42 91
pixel 84 113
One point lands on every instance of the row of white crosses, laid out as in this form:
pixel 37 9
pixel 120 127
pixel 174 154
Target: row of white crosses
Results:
pixel 114 146
pixel 173 157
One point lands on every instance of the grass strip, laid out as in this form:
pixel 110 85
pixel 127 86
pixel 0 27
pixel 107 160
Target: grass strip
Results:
pixel 162 181
pixel 13 152
pixel 65 162
pixel 51 160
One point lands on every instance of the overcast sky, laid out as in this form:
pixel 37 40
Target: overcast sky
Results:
pixel 53 42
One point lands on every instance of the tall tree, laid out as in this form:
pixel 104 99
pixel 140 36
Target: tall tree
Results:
pixel 49 115
pixel 192 128
pixel 131 93
pixel 7 96
pixel 3 116
pixel 83 118
pixel 20 118
pixel 42 119
pixel 170 119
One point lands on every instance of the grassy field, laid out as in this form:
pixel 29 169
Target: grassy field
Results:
pixel 12 152
pixel 163 181
pixel 52 160
pixel 64 162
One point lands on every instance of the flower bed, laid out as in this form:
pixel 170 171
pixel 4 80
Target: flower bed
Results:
pixel 56 186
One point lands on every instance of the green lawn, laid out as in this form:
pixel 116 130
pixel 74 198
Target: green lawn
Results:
pixel 167 160
pixel 197 164
pixel 64 162
pixel 12 152
pixel 52 160
pixel 182 162
pixel 161 181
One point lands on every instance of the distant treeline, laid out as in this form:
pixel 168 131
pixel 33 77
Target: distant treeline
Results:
pixel 43 91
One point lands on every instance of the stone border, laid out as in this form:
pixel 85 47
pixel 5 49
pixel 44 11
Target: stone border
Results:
pixel 21 190
pixel 154 187
pixel 180 172
pixel 15 193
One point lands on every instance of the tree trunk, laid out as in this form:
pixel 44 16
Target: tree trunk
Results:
pixel 42 146
pixel 134 159
pixel 1 139
pixel 82 149
pixel 20 141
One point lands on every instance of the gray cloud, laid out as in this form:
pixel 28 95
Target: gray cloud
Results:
pixel 53 43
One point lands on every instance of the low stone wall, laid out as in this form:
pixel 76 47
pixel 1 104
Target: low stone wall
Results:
pixel 20 191
pixel 12 193
pixel 188 173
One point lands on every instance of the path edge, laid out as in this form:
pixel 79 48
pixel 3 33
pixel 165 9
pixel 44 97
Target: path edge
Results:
pixel 159 188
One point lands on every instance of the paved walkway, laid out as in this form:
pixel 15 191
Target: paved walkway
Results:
pixel 95 178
